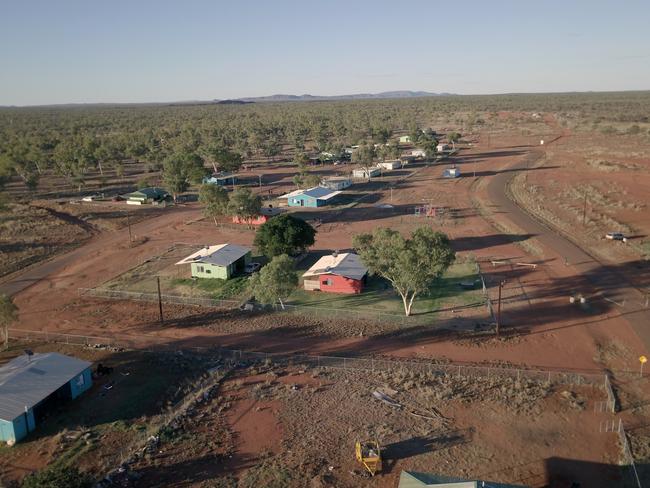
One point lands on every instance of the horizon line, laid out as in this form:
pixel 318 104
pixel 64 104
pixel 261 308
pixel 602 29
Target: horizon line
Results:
pixel 217 100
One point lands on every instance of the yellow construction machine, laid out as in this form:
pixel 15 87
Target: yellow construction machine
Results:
pixel 369 454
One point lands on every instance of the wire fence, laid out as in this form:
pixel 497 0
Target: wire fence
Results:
pixel 107 293
pixel 348 314
pixel 616 426
pixel 151 344
pixel 334 313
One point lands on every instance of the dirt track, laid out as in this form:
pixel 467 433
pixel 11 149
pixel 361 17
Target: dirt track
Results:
pixel 608 281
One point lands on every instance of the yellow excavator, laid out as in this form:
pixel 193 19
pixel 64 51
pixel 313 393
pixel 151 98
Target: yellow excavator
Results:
pixel 368 453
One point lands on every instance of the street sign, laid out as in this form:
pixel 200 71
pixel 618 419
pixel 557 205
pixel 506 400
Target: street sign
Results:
pixel 642 360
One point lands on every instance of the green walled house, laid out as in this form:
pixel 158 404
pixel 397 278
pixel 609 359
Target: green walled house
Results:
pixel 221 261
pixel 146 195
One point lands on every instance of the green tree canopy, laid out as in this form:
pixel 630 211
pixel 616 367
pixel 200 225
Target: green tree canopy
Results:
pixel 364 157
pixel 8 315
pixel 244 204
pixel 215 198
pixel 410 265
pixel 58 476
pixel 274 281
pixel 284 234
pixel 181 169
pixel 222 158
pixel 453 137
pixel 429 145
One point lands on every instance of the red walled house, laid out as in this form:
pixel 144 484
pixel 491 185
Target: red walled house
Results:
pixel 337 273
pixel 265 214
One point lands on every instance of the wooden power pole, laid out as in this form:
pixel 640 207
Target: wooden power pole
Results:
pixel 501 283
pixel 159 301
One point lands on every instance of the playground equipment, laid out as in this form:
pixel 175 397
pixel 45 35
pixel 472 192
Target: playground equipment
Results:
pixel 369 454
pixel 429 211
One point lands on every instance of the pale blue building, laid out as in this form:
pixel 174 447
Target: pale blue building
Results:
pixel 31 385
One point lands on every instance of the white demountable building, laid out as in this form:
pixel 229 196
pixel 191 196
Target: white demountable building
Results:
pixel 366 172
pixel 337 182
pixel 393 164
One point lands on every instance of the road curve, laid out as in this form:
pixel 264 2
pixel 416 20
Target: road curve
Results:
pixel 607 279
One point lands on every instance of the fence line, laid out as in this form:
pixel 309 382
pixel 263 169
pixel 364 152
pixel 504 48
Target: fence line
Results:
pixel 618 428
pixel 338 362
pixel 109 294
pixel 153 297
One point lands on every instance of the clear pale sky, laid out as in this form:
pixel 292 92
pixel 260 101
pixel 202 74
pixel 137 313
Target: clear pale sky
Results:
pixel 62 51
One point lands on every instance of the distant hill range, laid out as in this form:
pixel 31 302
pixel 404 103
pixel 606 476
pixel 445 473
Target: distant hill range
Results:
pixel 358 96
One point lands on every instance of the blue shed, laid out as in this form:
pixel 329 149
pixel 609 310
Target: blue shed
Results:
pixel 313 197
pixel 32 385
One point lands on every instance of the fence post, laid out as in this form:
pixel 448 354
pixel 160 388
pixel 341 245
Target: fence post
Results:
pixel 459 370
pixel 344 364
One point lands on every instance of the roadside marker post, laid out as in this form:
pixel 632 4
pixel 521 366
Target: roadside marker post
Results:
pixel 642 360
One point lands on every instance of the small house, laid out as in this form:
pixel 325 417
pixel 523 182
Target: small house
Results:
pixel 405 139
pixel 418 153
pixel 412 479
pixel 221 261
pixel 34 385
pixel 146 195
pixel 366 173
pixel 406 159
pixel 221 179
pixel 451 173
pixel 443 147
pixel 337 182
pixel 390 165
pixel 317 196
pixel 266 213
pixel 336 273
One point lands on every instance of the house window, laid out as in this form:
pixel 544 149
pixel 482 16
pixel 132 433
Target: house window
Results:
pixel 327 282
pixel 208 271
pixel 81 380
pixel 200 269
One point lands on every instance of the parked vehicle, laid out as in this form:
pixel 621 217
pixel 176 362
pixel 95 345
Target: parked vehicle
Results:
pixel 252 267
pixel 615 236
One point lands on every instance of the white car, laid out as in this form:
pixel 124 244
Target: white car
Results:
pixel 615 236
pixel 252 267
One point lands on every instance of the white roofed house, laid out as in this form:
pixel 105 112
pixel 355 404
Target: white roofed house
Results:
pixel 336 273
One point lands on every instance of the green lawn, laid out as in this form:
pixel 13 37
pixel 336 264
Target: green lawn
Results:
pixel 216 288
pixel 379 297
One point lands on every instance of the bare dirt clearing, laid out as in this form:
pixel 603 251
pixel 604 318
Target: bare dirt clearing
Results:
pixel 315 416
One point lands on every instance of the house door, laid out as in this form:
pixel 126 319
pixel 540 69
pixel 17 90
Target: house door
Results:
pixel 302 203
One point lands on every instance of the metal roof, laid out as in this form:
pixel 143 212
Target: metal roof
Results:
pixel 318 192
pixel 347 265
pixel 25 381
pixel 151 192
pixel 219 255
pixel 412 479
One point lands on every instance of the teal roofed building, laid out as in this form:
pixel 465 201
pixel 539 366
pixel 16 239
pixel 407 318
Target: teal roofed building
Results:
pixel 31 386
pixel 317 196
pixel 146 195
pixel 412 479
